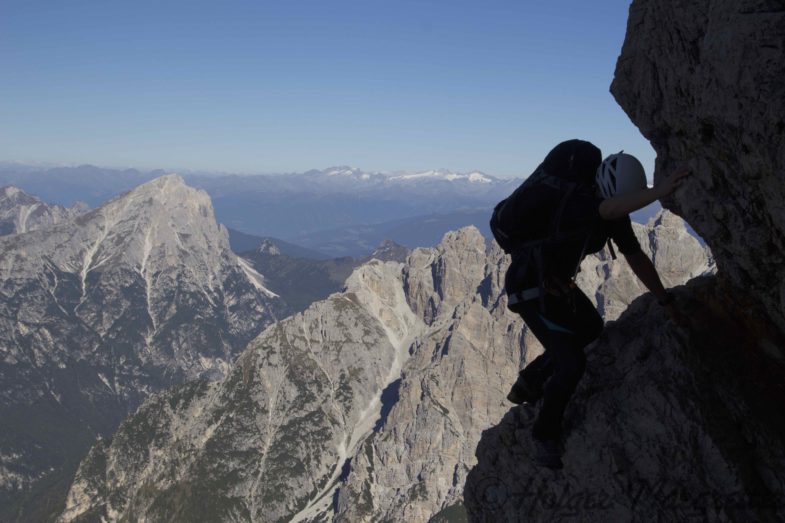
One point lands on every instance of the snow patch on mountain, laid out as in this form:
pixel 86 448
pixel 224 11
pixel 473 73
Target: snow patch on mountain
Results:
pixel 443 174
pixel 407 176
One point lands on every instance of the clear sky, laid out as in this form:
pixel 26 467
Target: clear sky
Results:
pixel 288 85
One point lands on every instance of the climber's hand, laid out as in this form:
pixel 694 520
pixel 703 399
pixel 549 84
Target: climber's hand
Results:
pixel 673 181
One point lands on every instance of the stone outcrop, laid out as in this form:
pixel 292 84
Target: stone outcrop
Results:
pixel 668 423
pixel 703 82
pixel 677 255
pixel 455 384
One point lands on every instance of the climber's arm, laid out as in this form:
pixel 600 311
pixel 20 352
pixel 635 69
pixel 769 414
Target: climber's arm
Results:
pixel 622 205
pixel 644 269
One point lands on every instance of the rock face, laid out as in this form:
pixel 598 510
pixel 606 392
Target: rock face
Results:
pixel 270 440
pixel 668 423
pixel 20 212
pixel 100 311
pixel 681 420
pixel 368 406
pixel 703 82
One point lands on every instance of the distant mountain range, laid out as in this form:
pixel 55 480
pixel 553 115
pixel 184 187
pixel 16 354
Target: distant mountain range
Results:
pixel 339 211
pixel 310 209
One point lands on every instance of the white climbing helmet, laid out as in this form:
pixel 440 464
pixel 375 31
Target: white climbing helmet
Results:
pixel 620 174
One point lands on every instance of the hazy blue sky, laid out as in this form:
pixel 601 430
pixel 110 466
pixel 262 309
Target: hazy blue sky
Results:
pixel 288 85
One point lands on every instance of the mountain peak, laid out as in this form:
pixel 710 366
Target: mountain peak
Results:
pixel 342 170
pixel 168 194
pixel 169 181
pixel 158 223
pixel 388 250
pixel 269 247
pixel 21 212
pixel 10 191
pixel 16 194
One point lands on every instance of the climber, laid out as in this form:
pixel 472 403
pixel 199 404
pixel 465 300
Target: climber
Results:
pixel 571 206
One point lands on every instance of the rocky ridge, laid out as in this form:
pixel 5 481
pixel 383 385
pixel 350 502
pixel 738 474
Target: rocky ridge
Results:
pixel 20 212
pixel 99 311
pixel 270 440
pixel 387 386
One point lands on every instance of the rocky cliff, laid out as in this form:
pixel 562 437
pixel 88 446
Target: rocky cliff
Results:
pixel 703 82
pixel 368 406
pixel 101 310
pixel 681 420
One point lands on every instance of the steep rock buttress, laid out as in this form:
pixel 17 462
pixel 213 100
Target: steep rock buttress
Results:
pixel 681 419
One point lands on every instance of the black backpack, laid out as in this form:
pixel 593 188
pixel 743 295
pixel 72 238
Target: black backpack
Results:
pixel 524 238
pixel 515 231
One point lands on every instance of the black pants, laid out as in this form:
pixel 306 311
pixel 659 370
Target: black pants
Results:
pixel 568 323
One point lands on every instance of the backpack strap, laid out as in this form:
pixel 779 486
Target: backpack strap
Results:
pixel 583 251
pixel 555 230
pixel 611 249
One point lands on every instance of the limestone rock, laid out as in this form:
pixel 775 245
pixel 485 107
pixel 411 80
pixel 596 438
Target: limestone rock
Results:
pixel 681 420
pixel 677 256
pixel 670 421
pixel 703 82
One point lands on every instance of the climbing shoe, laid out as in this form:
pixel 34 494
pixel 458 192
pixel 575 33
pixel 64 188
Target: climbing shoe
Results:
pixel 548 453
pixel 521 392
